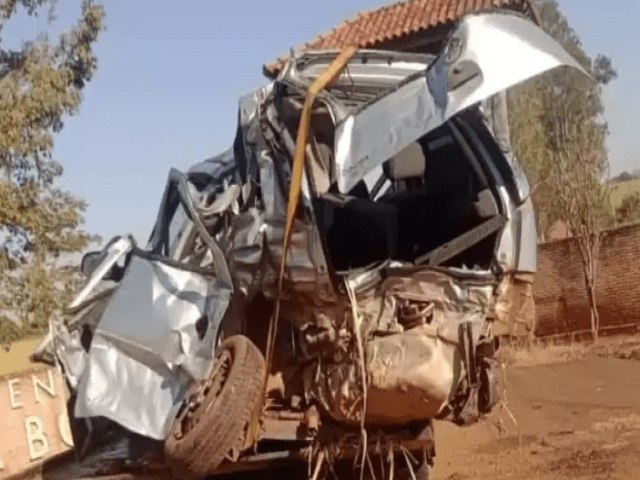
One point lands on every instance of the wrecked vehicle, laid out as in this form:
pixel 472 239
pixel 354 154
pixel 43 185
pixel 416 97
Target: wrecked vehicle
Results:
pixel 325 289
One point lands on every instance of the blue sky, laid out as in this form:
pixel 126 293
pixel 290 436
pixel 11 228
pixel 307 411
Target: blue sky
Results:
pixel 170 74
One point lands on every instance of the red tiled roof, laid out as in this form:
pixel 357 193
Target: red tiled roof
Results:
pixel 390 22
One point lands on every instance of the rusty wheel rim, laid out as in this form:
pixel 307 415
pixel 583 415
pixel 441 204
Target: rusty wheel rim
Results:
pixel 203 396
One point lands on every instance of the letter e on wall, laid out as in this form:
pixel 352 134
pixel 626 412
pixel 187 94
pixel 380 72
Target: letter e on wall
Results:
pixel 14 394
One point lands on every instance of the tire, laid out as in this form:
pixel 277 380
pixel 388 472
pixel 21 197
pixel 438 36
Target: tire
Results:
pixel 214 419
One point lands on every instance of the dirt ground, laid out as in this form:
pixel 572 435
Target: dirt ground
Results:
pixel 577 419
pixel 15 358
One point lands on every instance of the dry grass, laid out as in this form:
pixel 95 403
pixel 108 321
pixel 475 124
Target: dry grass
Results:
pixel 620 190
pixel 625 348
pixel 16 359
pixel 542 353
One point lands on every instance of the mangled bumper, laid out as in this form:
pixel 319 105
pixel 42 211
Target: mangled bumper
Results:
pixel 424 329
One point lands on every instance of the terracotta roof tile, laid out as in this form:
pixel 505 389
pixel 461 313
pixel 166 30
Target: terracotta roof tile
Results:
pixel 369 29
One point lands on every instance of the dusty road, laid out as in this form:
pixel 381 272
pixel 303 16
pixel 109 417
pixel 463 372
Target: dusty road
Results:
pixel 578 420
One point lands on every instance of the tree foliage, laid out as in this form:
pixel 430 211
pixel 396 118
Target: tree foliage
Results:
pixel 626 176
pixel 533 110
pixel 581 194
pixel 559 134
pixel 40 84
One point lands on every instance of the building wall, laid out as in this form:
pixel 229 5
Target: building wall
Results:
pixel 559 291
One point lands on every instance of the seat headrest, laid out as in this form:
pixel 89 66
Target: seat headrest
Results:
pixel 407 163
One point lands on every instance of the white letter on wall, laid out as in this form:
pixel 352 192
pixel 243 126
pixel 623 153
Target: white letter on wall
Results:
pixel 65 429
pixel 14 395
pixel 36 439
pixel 37 383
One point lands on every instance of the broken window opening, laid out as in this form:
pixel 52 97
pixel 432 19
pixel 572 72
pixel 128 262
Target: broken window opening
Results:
pixel 433 194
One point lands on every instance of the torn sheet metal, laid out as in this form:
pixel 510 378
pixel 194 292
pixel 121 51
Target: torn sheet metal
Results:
pixel 414 371
pixel 495 111
pixel 189 191
pixel 70 340
pixel 71 354
pixel 370 67
pixel 372 136
pixel 156 334
pixel 306 268
pixel 247 250
pixel 86 308
pixel 114 253
pixel 487 53
pixel 458 296
pixel 416 367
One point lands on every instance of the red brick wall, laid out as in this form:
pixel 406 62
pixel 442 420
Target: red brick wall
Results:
pixel 559 291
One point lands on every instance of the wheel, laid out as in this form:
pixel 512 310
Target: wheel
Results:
pixel 213 421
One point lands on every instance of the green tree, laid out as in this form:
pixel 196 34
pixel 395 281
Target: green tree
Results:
pixel 40 84
pixel 574 94
pixel 580 193
pixel 559 134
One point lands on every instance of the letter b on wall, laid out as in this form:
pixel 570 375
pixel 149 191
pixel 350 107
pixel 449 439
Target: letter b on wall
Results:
pixel 36 438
